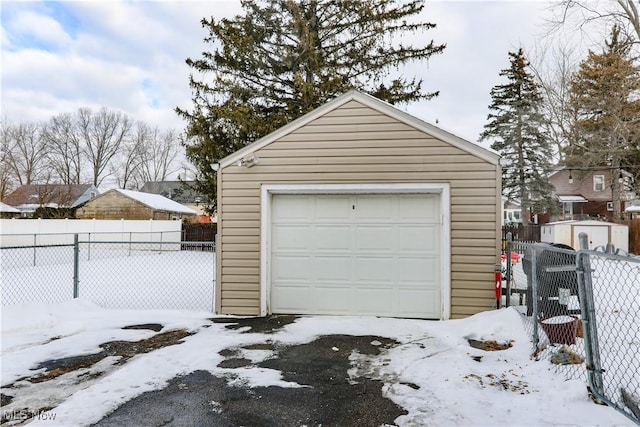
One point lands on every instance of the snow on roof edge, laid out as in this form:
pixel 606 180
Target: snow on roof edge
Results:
pixel 157 201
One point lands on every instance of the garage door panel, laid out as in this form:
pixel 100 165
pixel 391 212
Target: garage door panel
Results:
pixel 331 268
pixel 374 270
pixel 419 207
pixel 424 239
pixel 373 254
pixel 417 302
pixel 332 299
pixel 378 238
pixel 368 208
pixel 291 237
pixel 332 208
pixel 290 209
pixel 420 271
pixel 333 237
pixel 295 298
pixel 377 301
pixel 291 268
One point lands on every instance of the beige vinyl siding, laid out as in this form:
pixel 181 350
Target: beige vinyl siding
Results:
pixel 357 144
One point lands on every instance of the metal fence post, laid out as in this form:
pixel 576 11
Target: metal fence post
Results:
pixel 508 272
pixel 89 249
pixel 76 265
pixel 34 249
pixel 534 296
pixel 587 308
pixel 215 275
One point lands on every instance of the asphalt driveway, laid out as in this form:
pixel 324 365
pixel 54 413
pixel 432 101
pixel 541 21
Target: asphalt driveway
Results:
pixel 331 389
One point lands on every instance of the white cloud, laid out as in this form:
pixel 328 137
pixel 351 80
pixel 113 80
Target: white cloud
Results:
pixel 29 28
pixel 130 56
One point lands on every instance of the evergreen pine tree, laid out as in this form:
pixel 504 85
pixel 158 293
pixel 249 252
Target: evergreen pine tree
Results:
pixel 284 58
pixel 604 100
pixel 515 125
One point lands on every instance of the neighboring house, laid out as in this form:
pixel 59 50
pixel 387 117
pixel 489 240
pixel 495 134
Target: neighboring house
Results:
pixel 90 193
pixel 587 194
pixel 358 208
pixel 127 204
pixel 27 198
pixel 178 191
pixel 511 212
pixel 7 211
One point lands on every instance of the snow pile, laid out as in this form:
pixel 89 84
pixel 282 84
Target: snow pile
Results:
pixel 433 372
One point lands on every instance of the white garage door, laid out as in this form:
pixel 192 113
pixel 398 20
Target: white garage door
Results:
pixel 365 254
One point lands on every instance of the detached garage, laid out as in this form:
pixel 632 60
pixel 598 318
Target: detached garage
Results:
pixel 358 208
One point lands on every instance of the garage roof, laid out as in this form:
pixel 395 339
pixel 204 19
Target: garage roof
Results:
pixel 486 154
pixel 4 208
pixel 157 202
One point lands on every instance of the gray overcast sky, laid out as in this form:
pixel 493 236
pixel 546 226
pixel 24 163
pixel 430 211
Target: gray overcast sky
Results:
pixel 130 56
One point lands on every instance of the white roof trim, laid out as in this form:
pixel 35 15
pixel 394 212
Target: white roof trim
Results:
pixel 487 154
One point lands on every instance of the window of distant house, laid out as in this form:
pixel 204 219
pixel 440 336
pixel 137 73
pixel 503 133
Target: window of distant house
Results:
pixel 92 195
pixel 609 206
pixel 567 208
pixel 598 182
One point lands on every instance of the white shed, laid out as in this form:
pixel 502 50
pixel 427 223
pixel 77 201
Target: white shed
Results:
pixel 600 233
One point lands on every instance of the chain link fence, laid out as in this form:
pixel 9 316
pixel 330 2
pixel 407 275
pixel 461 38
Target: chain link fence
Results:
pixel 582 311
pixel 36 273
pixel 112 273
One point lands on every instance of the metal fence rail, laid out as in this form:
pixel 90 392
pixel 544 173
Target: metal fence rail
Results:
pixel 113 274
pixel 582 311
pixel 44 239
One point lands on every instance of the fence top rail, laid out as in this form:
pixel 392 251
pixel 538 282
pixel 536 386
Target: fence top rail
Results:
pixel 89 232
pixel 143 242
pixel 538 246
pixel 614 257
pixel 67 245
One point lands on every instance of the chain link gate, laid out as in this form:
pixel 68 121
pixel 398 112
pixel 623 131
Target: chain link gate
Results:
pixel 582 311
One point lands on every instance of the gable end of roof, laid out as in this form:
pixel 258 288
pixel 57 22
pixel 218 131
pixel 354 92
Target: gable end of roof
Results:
pixel 486 154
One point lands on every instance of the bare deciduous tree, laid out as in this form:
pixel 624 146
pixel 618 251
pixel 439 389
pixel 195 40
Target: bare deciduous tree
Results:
pixel 65 149
pixel 624 14
pixel 554 68
pixel 6 181
pixel 86 146
pixel 26 151
pixel 102 135
pixel 127 165
pixel 160 155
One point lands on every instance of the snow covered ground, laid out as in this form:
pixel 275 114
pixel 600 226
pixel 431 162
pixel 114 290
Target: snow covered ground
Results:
pixel 458 384
pixel 112 275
